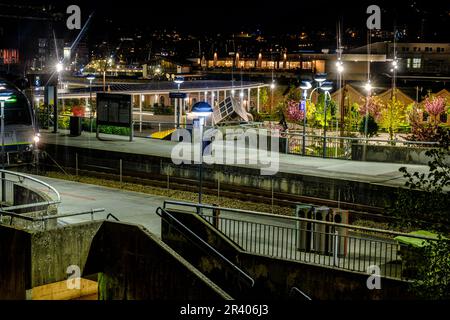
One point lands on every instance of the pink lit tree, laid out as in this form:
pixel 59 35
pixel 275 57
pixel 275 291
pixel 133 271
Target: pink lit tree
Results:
pixel 434 106
pixel 294 113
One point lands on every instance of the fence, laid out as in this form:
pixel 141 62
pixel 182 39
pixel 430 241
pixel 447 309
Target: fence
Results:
pixel 338 147
pixel 44 194
pixel 317 241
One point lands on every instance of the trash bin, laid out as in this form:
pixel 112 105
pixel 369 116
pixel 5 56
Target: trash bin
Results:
pixel 75 126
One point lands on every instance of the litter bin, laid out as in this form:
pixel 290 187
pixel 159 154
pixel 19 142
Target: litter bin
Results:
pixel 75 126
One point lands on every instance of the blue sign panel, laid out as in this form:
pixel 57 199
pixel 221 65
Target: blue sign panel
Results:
pixel 177 95
pixel 302 105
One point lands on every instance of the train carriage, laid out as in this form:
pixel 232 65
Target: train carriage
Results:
pixel 20 131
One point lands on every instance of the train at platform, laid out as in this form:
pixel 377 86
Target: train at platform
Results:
pixel 20 135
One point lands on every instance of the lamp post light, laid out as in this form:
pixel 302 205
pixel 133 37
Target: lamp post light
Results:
pixel 4 96
pixel 90 78
pixel 201 110
pixel 178 81
pixel 272 89
pixel 326 87
pixel 305 86
pixel 368 88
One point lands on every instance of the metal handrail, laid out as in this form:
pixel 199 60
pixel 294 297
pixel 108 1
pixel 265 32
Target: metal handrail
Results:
pixel 235 267
pixel 51 217
pixel 364 139
pixel 112 216
pixel 295 289
pixel 27 177
pixel 271 215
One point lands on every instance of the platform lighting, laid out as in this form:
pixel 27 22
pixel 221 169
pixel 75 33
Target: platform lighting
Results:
pixel 202 110
pixel 305 86
pixel 320 77
pixel 340 66
pixel 326 87
pixel 59 67
pixel 4 96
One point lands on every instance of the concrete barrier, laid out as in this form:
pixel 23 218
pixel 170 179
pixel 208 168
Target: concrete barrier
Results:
pixel 132 264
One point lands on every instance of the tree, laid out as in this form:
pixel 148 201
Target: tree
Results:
pixel 372 126
pixel 294 113
pixel 393 116
pixel 434 106
pixel 263 97
pixel 372 106
pixel 425 204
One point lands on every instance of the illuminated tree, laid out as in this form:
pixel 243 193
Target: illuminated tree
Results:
pixel 434 106
pixel 392 116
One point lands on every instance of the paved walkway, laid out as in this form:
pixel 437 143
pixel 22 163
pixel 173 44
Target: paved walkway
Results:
pixel 372 172
pixel 127 206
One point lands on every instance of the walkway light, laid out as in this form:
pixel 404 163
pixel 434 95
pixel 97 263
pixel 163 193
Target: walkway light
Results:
pixel 326 86
pixel 368 87
pixel 320 77
pixel 202 110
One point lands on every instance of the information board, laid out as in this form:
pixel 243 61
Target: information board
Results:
pixel 114 109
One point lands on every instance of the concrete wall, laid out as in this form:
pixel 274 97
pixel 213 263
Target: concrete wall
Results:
pixel 392 154
pixel 274 278
pixel 133 263
pixel 136 265
pixel 15 263
pixel 157 168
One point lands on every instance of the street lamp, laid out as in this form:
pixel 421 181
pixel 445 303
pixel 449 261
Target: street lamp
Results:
pixel 201 110
pixel 90 78
pixel 178 80
pixel 4 96
pixel 272 88
pixel 305 86
pixel 326 87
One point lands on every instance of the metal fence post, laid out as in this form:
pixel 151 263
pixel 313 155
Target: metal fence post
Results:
pixel 76 164
pixel 120 170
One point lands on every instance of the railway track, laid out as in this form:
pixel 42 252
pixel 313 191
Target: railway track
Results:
pixel 356 211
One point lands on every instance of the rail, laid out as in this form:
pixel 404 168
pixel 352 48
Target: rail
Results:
pixel 338 147
pixel 312 240
pixel 9 179
pixel 46 218
pixel 249 280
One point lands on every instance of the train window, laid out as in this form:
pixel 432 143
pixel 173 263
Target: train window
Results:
pixel 17 111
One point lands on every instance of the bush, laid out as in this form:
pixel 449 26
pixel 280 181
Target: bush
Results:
pixel 372 126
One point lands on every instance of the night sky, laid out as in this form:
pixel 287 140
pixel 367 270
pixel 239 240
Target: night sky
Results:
pixel 271 17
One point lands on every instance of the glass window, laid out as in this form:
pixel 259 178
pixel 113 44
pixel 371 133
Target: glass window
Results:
pixel 417 63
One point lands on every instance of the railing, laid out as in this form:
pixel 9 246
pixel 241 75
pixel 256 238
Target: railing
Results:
pixel 9 179
pixel 331 244
pixel 169 218
pixel 43 220
pixel 338 147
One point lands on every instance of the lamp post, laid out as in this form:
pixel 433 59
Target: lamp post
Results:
pixel 201 110
pixel 368 87
pixel 178 81
pixel 90 78
pixel 59 68
pixel 326 87
pixel 305 86
pixel 4 96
